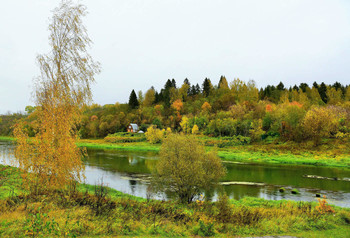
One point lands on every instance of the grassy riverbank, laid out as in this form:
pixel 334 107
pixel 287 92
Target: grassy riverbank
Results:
pixel 84 213
pixel 330 154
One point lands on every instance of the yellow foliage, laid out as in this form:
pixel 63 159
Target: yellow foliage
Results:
pixel 154 135
pixel 320 122
pixel 206 107
pixel 185 124
pixel 52 157
pixel 195 129
pixel 168 130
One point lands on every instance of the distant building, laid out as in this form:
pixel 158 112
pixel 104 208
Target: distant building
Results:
pixel 133 128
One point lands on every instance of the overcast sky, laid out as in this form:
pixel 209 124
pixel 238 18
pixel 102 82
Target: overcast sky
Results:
pixel 143 43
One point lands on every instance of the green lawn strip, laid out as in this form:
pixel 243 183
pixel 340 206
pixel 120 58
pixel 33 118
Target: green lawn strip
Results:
pixel 7 138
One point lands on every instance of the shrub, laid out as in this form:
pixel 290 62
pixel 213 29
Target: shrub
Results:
pixel 154 135
pixel 185 169
pixel 125 137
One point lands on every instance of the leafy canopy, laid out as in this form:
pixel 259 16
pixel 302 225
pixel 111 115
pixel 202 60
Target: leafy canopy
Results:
pixel 185 168
pixel 61 90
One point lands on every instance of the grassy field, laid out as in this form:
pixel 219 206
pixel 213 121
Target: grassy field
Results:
pixel 90 211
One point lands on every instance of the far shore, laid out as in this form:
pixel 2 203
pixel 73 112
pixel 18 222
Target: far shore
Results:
pixel 245 154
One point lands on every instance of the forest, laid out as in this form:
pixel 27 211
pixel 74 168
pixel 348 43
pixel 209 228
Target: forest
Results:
pixel 235 109
pixel 224 160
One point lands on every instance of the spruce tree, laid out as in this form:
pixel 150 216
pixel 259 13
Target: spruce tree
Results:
pixel 322 90
pixel 280 86
pixel 133 102
pixel 206 87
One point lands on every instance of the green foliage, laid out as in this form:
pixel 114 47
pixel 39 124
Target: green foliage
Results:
pixel 39 224
pixel 185 169
pixel 234 109
pixel 205 228
pixel 72 213
pixel 222 142
pixel 125 137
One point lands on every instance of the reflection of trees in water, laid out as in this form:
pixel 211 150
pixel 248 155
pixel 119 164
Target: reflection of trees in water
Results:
pixel 132 159
pixel 132 185
pixel 150 164
pixel 119 161
pixel 288 175
pixel 239 191
pixel 6 153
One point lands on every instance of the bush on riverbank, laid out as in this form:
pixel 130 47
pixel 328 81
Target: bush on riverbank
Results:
pixel 125 137
pixel 85 211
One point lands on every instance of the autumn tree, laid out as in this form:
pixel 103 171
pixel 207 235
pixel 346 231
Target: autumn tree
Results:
pixel 320 122
pixel 185 168
pixel 61 90
pixel 149 97
pixel 206 107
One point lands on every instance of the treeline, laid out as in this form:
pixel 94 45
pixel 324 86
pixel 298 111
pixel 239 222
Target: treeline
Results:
pixel 230 109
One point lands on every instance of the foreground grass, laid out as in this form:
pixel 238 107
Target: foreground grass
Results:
pixel 89 211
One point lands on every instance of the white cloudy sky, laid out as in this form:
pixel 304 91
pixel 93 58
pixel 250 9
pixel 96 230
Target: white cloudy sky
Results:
pixel 142 43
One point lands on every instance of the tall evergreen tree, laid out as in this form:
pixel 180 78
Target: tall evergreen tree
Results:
pixel 206 87
pixel 280 86
pixel 166 92
pixel 198 89
pixel 186 81
pixel 133 102
pixel 322 90
pixel 303 87
pixel 173 83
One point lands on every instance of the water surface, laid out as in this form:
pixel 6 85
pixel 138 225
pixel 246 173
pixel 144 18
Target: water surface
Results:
pixel 129 172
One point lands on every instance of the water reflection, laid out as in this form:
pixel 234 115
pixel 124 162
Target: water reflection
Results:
pixel 129 172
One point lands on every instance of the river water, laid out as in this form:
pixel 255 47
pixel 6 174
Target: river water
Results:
pixel 129 172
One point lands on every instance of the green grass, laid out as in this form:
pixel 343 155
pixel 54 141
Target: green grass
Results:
pixel 7 138
pixel 83 214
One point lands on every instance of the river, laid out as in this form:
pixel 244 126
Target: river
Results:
pixel 129 172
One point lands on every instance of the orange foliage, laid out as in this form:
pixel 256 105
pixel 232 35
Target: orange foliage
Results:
pixel 93 118
pixel 177 105
pixel 206 107
pixel 323 206
pixel 158 109
pixel 268 108
pixel 294 103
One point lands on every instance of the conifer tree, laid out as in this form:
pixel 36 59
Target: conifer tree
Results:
pixel 322 90
pixel 207 86
pixel 133 102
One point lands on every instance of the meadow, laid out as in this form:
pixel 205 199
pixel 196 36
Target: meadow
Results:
pixel 94 210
